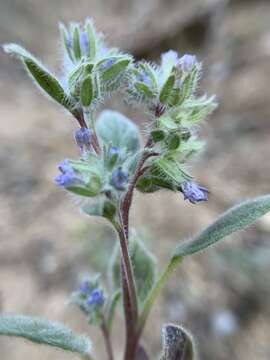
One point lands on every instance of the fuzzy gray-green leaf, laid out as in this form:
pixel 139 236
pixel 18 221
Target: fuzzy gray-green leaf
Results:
pixel 167 89
pixel 115 70
pixel 236 218
pixel 86 93
pixel 66 41
pixel 41 75
pixel 144 266
pixel 43 331
pixel 89 28
pixel 143 89
pixel 76 41
pixel 103 208
pixel 116 129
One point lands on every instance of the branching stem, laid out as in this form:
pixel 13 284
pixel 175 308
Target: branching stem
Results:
pixel 128 281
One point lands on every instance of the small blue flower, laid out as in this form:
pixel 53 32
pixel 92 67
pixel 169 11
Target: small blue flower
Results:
pixel 68 177
pixel 194 192
pixel 85 287
pixel 170 57
pixel 65 167
pixel 119 178
pixel 84 42
pixel 187 62
pixel 83 137
pixel 96 297
pixel 64 180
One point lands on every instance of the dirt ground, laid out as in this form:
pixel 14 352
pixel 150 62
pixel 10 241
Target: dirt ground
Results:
pixel 222 296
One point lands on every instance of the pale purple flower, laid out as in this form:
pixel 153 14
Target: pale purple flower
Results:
pixel 85 287
pixel 194 192
pixel 187 62
pixel 68 177
pixel 83 137
pixel 96 297
pixel 84 42
pixel 119 178
pixel 145 78
pixel 169 57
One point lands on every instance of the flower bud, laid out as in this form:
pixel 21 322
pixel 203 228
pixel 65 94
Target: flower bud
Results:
pixel 83 137
pixel 194 192
pixel 173 141
pixel 96 297
pixel 68 177
pixel 113 154
pixel 119 178
pixel 157 135
pixel 85 287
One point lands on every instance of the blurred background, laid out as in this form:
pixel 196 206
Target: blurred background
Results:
pixel 222 296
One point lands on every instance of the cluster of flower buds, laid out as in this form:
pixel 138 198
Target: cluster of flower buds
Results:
pixel 176 111
pixel 111 146
pixel 98 174
pixel 90 299
pixel 93 71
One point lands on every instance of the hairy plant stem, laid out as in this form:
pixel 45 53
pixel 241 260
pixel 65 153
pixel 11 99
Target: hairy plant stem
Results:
pixel 88 119
pixel 128 277
pixel 128 281
pixel 107 339
pixel 129 293
pixel 155 291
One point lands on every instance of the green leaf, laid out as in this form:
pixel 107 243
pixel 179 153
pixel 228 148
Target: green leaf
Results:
pixel 178 343
pixel 144 264
pixel 173 141
pixel 144 89
pixel 89 28
pixel 76 41
pixel 43 331
pixel 169 170
pixel 41 76
pixel 115 71
pixel 167 89
pixel 144 267
pixel 236 218
pixel 86 91
pixel 89 191
pixel 200 108
pixel 116 129
pixel 164 173
pixel 103 208
pixel 189 84
pixel 66 41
